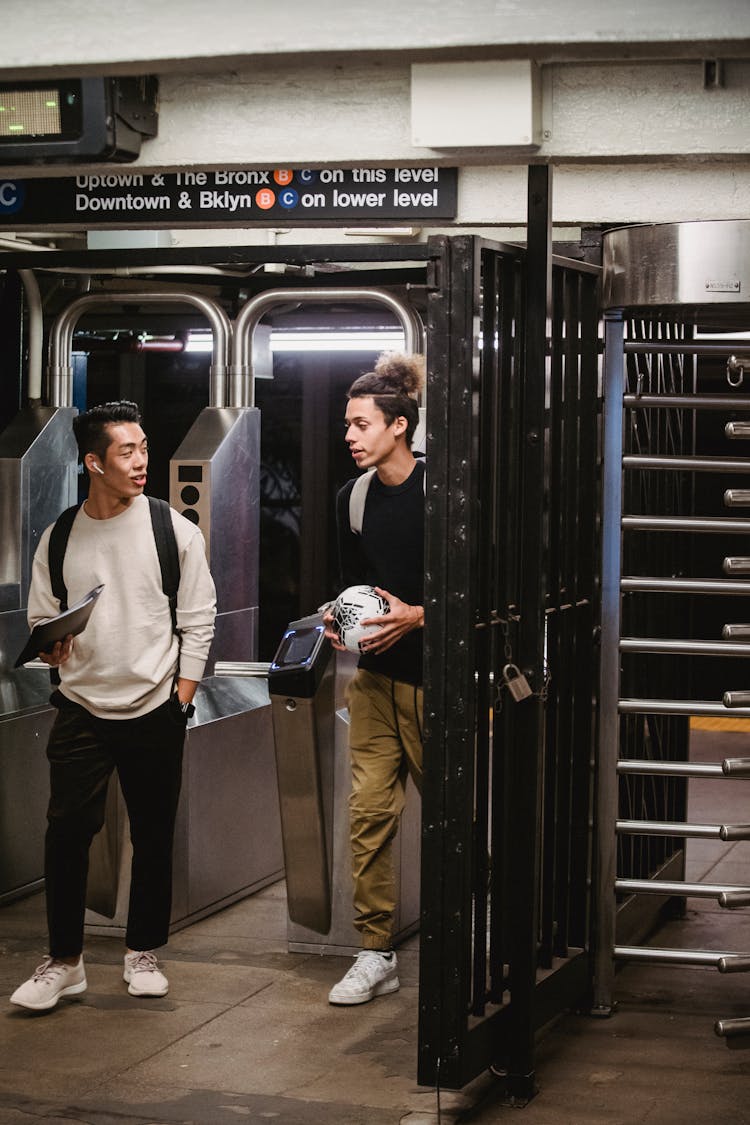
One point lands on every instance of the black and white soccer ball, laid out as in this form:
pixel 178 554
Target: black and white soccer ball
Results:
pixel 353 605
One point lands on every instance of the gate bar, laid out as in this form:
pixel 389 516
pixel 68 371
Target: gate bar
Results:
pixel 688 402
pixel 677 707
pixel 735 430
pixel 734 897
pixel 724 962
pixel 650 347
pixel 730 767
pixel 687 890
pixel 699 648
pixel 691 464
pixel 684 586
pixel 726 832
pixel 728 1029
pixel 736 699
pixel 721 525
pixel 737 497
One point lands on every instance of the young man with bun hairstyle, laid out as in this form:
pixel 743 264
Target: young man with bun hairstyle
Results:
pixel 385 695
pixel 126 686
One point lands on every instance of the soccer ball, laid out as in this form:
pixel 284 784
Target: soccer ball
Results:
pixel 352 605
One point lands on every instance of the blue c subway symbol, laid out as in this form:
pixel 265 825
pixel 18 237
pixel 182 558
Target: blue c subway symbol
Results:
pixel 288 198
pixel 307 176
pixel 12 195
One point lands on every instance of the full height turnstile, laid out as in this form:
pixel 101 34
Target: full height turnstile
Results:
pixel 663 542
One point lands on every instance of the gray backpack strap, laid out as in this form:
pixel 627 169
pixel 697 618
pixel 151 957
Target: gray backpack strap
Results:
pixel 357 500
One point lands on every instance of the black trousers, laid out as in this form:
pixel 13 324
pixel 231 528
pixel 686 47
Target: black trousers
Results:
pixel 83 751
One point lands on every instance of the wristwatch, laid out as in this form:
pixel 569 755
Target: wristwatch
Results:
pixel 188 709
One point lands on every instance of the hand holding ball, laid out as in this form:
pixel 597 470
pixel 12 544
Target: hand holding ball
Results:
pixel 353 605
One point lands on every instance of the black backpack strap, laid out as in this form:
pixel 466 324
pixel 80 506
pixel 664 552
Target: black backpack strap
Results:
pixel 166 549
pixel 58 542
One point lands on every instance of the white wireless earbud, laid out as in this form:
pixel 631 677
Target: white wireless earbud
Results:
pixel 99 469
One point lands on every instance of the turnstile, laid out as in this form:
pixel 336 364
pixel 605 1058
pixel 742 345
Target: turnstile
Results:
pixel 311 735
pixel 227 834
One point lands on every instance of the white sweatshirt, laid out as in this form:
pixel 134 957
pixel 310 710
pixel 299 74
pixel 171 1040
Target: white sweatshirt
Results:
pixel 123 664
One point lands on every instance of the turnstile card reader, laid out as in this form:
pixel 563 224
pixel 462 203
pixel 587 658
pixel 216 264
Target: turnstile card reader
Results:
pixel 300 660
pixel 300 684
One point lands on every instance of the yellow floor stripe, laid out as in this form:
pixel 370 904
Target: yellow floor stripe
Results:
pixel 700 722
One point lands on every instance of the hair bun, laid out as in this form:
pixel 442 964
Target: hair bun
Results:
pixel 405 373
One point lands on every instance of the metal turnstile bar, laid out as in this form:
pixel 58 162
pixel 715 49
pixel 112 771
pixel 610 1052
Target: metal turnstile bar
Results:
pixel 728 1029
pixel 686 523
pixel 734 898
pixel 686 890
pixel 726 832
pixel 736 632
pixel 734 430
pixel 737 498
pixel 690 464
pixel 684 347
pixel 670 769
pixel 735 699
pixel 247 668
pixel 686 402
pixel 724 962
pixel 683 586
pixel 736 564
pixel 730 767
pixel 677 707
pixel 696 648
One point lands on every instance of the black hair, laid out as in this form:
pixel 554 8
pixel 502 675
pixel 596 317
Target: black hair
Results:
pixel 393 385
pixel 91 427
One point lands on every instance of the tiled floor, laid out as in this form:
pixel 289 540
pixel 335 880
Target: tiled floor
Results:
pixel 246 1033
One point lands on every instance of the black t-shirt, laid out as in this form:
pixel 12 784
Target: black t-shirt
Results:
pixel 390 554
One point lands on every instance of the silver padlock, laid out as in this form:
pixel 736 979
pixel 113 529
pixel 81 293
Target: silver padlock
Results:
pixel 518 685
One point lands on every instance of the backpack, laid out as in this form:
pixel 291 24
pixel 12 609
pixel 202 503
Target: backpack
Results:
pixel 358 497
pixel 166 549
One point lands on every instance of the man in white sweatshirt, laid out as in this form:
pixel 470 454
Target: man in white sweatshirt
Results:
pixel 125 695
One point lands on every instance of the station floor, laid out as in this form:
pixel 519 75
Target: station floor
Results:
pixel 246 1033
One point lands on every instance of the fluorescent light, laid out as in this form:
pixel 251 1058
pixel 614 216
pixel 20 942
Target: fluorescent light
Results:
pixel 336 341
pixel 322 341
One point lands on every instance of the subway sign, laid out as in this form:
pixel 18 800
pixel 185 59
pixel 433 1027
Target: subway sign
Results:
pixel 239 197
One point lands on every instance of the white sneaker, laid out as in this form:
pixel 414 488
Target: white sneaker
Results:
pixel 143 976
pixel 51 980
pixel 372 974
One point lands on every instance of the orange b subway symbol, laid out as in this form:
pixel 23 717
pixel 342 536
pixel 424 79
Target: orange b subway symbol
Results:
pixel 265 198
pixel 283 176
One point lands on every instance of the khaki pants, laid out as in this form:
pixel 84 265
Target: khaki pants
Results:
pixel 385 738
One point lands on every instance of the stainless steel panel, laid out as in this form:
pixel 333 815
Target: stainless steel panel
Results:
pixel 342 937
pixel 24 792
pixel 223 450
pixel 701 263
pixel 303 737
pixel 228 832
pixel 38 459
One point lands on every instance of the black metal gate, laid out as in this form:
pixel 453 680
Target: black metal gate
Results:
pixel 511 581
